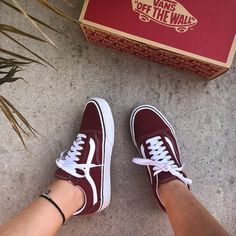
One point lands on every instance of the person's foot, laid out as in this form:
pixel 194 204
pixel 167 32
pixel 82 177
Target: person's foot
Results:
pixel 87 163
pixel 155 140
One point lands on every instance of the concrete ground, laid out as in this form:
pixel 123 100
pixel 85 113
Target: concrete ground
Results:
pixel 203 114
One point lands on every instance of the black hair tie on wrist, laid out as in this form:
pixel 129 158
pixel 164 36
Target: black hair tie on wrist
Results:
pixel 46 196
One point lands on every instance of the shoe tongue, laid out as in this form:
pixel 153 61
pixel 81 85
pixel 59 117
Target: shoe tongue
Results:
pixel 164 177
pixel 146 150
pixel 84 152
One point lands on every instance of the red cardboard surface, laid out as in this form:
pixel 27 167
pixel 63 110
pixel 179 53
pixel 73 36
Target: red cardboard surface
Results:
pixel 204 27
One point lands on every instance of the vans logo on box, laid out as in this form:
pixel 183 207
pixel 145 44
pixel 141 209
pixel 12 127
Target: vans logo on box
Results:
pixel 169 13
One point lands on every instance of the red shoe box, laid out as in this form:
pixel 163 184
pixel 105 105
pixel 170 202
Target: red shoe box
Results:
pixel 195 36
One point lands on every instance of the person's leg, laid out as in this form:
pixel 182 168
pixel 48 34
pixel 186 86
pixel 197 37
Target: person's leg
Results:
pixel 155 140
pixel 186 214
pixel 84 184
pixel 41 218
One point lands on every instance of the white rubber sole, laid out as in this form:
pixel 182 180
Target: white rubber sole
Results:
pixel 108 141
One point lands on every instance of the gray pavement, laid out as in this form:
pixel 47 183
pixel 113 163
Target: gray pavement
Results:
pixel 203 114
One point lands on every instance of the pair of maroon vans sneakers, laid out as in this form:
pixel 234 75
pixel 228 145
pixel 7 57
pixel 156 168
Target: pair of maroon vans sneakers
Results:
pixel 87 163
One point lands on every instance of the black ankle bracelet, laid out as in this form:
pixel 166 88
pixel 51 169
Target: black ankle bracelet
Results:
pixel 46 196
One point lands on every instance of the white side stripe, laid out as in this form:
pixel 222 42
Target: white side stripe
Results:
pixel 144 156
pixel 172 148
pixel 70 167
pixel 87 170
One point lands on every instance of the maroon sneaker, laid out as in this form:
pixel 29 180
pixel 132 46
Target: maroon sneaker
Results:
pixel 87 163
pixel 155 140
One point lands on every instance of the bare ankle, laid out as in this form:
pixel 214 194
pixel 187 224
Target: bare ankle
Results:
pixel 165 189
pixel 69 197
pixel 70 190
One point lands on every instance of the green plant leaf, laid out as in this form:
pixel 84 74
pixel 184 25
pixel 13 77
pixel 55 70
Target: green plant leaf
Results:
pixel 33 18
pixel 14 30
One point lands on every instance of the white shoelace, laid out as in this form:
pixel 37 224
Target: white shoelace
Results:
pixel 67 162
pixel 161 160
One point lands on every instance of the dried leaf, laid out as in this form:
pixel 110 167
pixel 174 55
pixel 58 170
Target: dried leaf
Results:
pixel 7 61
pixel 33 18
pixel 11 118
pixel 5 67
pixel 18 5
pixel 12 29
pixel 21 117
pixel 39 57
pixel 19 56
pixel 8 110
pixel 58 11
pixel 9 77
pixel 69 3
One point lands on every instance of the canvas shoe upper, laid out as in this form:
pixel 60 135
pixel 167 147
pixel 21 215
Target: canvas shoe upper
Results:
pixel 87 163
pixel 155 140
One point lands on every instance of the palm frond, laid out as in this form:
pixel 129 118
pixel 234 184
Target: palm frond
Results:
pixel 19 6
pixel 58 11
pixel 10 66
pixel 29 50
pixel 6 62
pixel 69 3
pixel 32 17
pixel 10 75
pixel 19 56
pixel 12 114
pixel 14 30
pixel 8 69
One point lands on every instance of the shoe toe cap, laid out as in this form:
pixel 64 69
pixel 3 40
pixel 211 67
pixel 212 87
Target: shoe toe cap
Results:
pixel 92 118
pixel 146 121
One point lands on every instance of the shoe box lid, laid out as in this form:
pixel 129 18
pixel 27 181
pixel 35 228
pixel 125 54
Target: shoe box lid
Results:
pixel 203 29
